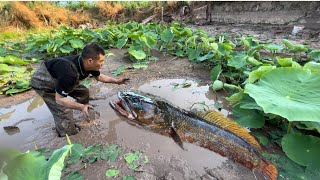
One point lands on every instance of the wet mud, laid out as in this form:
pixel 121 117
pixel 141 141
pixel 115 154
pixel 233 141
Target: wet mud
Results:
pixel 167 160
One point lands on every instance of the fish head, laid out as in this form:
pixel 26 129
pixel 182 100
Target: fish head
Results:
pixel 139 107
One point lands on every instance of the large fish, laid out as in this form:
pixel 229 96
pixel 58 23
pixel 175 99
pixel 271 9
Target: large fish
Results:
pixel 210 130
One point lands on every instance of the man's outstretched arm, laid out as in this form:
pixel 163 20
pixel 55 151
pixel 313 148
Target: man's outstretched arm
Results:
pixel 107 79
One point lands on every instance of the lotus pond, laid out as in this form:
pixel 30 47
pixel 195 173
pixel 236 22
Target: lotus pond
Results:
pixel 270 88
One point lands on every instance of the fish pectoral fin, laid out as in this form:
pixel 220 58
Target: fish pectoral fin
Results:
pixel 175 136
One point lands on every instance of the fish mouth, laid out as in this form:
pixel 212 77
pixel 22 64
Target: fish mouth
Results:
pixel 122 107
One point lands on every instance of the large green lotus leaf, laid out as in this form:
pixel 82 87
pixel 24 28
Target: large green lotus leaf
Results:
pixel 149 41
pixel 302 149
pixel 26 166
pixel 289 92
pixel 248 117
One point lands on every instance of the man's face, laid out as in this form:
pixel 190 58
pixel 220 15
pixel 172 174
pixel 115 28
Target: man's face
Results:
pixel 96 64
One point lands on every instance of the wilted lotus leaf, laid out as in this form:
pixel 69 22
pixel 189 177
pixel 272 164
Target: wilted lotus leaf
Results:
pixel 292 93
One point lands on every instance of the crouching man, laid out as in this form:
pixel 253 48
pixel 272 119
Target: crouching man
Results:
pixel 58 78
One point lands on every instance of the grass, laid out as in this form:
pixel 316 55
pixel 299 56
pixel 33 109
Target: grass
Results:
pixel 16 34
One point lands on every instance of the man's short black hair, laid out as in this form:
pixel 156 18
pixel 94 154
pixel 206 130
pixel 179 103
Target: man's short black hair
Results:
pixel 92 50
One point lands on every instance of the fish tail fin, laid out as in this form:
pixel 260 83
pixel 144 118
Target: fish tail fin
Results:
pixel 269 171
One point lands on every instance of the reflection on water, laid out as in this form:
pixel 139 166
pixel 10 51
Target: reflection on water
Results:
pixel 174 91
pixel 20 125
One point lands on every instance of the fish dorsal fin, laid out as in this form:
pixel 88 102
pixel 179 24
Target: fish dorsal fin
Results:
pixel 220 120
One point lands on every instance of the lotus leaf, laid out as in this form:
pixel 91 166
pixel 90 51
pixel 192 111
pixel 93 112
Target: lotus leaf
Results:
pixel 149 41
pixel 112 172
pixel 26 166
pixel 256 74
pixel 313 66
pixel 138 54
pixel 166 35
pixel 289 92
pixel 284 62
pixel 237 60
pixel 66 49
pixel 248 102
pixel 274 47
pixel 121 42
pixel 261 137
pixel 77 151
pixel 205 57
pixel 315 54
pixel 250 118
pixel 293 47
pixel 193 53
pixel 289 169
pixel 118 70
pixel 111 152
pixel 309 126
pixel 253 61
pixel 303 149
pixel 76 43
pixel 215 73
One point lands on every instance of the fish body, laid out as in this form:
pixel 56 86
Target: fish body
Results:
pixel 215 134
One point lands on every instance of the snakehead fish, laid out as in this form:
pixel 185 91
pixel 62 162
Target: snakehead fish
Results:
pixel 210 130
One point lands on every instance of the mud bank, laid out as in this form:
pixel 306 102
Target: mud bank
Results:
pixel 276 13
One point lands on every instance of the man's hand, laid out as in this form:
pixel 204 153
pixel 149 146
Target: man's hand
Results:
pixel 122 81
pixel 85 110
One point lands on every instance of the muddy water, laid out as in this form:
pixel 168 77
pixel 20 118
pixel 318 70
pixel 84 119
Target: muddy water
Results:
pixel 167 159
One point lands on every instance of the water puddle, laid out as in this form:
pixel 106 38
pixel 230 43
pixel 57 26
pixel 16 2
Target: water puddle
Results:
pixel 23 122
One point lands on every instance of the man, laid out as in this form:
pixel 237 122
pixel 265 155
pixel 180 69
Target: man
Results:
pixel 58 78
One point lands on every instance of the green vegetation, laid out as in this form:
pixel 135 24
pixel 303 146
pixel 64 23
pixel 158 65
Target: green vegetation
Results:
pixel 269 84
pixel 49 164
